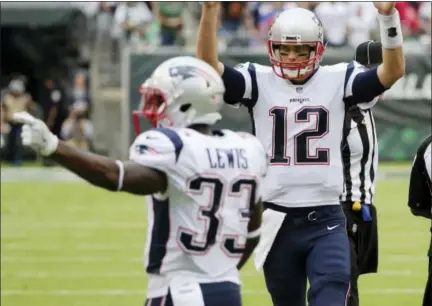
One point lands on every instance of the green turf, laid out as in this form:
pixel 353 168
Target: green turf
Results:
pixel 71 244
pixel 25 164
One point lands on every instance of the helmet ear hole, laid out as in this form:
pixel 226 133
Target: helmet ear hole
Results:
pixel 184 107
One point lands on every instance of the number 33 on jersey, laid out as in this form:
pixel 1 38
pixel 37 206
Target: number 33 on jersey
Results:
pixel 214 183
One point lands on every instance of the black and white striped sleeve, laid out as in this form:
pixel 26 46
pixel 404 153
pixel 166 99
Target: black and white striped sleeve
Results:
pixel 241 85
pixel 359 156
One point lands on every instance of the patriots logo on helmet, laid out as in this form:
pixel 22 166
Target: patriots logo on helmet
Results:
pixel 142 149
pixel 182 71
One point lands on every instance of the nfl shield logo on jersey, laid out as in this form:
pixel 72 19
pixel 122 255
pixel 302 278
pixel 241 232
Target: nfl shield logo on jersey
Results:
pixel 299 90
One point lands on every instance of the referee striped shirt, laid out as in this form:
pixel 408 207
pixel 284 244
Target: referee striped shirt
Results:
pixel 359 156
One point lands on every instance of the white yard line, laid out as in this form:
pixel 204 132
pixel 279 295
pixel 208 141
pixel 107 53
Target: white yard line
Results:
pixel 14 246
pixel 387 291
pixel 89 236
pixel 65 259
pixel 93 259
pixel 11 247
pixel 74 225
pixel 141 274
pixel 60 174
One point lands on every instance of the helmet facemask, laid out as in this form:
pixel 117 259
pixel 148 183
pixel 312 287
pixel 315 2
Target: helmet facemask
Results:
pixel 153 107
pixel 160 111
pixel 298 69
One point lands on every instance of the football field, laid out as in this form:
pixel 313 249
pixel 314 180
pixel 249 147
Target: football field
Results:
pixel 67 243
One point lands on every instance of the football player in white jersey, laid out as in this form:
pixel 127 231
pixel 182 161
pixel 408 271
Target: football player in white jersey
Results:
pixel 204 209
pixel 298 108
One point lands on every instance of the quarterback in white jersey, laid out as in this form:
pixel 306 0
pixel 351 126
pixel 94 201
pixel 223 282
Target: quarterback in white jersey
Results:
pixel 204 207
pixel 298 108
pixel 300 133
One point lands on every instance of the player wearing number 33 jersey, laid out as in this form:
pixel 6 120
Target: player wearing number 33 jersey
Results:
pixel 198 227
pixel 297 109
pixel 203 186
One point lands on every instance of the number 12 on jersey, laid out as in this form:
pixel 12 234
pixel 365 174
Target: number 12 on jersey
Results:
pixel 301 152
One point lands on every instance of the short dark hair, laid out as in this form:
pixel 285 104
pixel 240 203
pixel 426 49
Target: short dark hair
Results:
pixel 369 53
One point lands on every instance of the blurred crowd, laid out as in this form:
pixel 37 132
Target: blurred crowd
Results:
pixel 247 23
pixel 65 111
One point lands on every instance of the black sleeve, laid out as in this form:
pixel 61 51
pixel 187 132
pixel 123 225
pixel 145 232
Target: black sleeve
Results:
pixel 236 89
pixel 365 86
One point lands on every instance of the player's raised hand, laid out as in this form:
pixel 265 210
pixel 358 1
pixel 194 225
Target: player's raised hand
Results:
pixel 36 134
pixel 385 8
pixel 210 4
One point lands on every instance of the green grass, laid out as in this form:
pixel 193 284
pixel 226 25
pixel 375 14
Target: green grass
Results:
pixel 72 244
pixel 25 164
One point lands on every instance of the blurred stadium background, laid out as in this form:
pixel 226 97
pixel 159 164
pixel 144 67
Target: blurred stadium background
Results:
pixel 78 66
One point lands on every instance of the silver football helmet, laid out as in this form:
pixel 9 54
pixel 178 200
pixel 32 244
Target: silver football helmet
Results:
pixel 296 26
pixel 182 91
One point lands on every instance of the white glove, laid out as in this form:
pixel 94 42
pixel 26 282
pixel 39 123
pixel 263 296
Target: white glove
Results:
pixel 36 134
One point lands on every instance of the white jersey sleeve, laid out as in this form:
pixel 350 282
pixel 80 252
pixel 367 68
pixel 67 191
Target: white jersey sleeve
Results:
pixel 353 69
pixel 158 149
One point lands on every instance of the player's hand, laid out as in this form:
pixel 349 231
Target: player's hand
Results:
pixel 36 134
pixel 210 4
pixel 385 8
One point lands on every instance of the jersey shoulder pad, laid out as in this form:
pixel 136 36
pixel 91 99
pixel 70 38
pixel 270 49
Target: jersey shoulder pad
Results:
pixel 343 67
pixel 157 148
pixel 245 135
pixel 253 66
pixel 340 67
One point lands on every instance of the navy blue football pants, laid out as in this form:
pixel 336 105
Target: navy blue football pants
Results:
pixel 312 244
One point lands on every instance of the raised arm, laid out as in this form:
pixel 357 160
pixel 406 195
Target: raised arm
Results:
pixel 207 43
pixel 363 86
pixel 238 88
pixel 393 66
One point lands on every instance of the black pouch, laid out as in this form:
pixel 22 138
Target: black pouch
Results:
pixel 365 237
